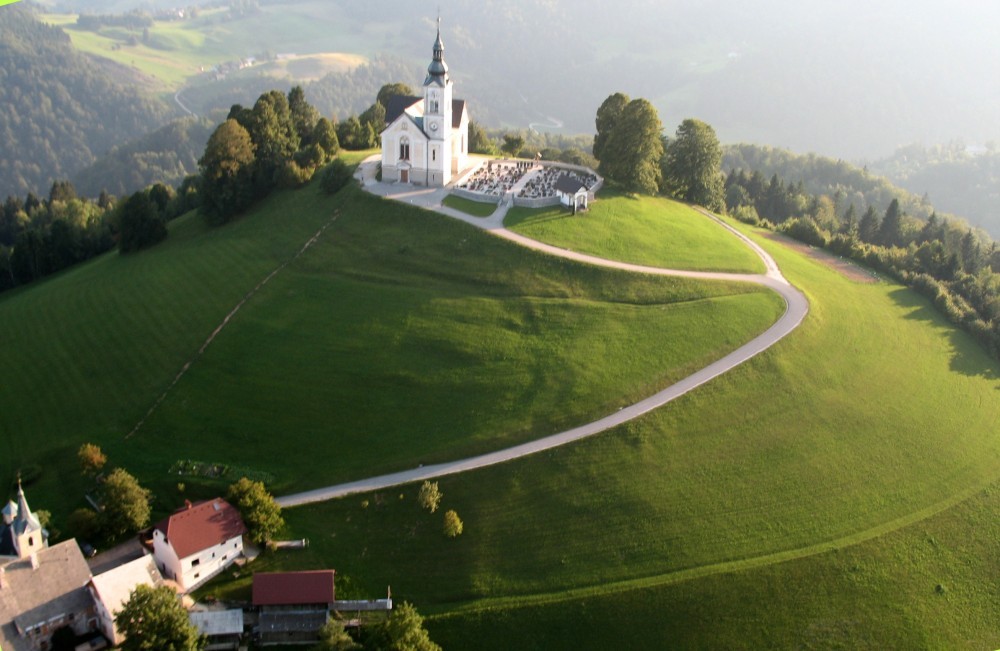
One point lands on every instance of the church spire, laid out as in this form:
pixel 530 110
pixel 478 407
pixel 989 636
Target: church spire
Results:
pixel 437 71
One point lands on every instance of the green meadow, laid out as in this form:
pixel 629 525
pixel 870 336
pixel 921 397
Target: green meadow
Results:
pixel 176 52
pixel 835 491
pixel 650 231
pixel 399 337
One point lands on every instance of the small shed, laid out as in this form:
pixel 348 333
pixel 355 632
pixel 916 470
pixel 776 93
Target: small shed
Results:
pixel 223 628
pixel 572 192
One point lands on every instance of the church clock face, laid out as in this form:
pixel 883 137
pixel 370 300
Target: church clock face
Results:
pixel 434 126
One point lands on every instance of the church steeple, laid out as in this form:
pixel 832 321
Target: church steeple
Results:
pixel 437 71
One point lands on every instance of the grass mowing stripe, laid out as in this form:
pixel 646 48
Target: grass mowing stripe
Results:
pixel 225 321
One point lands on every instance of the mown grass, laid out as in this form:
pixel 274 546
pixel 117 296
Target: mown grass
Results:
pixel 644 230
pixel 470 207
pixel 871 417
pixel 400 337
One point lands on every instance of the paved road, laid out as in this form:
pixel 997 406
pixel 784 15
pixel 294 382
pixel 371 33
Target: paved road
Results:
pixel 795 311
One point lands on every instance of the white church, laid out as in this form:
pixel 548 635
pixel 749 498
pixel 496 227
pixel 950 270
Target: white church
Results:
pixel 426 140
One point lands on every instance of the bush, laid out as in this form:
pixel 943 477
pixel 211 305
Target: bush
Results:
pixel 429 496
pixel 335 176
pixel 452 524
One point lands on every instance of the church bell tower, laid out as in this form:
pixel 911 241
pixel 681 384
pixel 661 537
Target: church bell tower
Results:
pixel 437 94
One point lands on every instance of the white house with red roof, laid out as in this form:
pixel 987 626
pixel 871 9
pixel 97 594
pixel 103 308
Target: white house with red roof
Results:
pixel 197 542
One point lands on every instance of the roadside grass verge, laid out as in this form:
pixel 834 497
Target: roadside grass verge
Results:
pixel 643 230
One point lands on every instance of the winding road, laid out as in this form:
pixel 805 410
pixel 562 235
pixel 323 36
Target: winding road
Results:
pixel 796 308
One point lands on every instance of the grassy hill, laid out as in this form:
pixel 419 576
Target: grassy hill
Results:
pixel 812 496
pixel 399 337
pixel 651 231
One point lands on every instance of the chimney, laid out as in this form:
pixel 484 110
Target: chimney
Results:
pixel 34 560
pixel 187 504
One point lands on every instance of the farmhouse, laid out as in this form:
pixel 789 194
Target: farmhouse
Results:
pixel 198 541
pixel 426 139
pixel 110 590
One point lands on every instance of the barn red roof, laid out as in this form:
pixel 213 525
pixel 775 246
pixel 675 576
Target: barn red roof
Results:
pixel 289 588
pixel 201 526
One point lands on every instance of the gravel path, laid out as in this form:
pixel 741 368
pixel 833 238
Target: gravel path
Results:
pixel 795 311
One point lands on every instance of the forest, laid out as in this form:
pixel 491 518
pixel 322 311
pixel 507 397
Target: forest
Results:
pixel 62 109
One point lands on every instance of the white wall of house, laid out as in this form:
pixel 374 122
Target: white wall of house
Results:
pixel 191 571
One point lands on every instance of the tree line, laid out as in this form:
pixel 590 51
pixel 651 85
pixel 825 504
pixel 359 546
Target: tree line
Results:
pixel 955 266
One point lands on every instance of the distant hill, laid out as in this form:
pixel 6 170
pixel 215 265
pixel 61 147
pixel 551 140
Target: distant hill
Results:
pixel 166 155
pixel 955 178
pixel 822 175
pixel 61 108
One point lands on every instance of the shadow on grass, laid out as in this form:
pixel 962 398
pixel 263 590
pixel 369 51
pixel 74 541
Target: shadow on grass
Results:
pixel 967 356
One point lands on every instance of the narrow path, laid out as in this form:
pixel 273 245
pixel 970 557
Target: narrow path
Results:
pixel 177 98
pixel 796 308
pixel 225 321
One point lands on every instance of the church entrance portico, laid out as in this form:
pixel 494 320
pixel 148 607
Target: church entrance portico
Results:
pixel 404 175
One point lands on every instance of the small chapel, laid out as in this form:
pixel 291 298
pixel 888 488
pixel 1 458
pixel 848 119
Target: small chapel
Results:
pixel 21 534
pixel 426 139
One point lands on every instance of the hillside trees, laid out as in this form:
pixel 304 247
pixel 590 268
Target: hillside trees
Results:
pixel 403 630
pixel 956 267
pixel 60 107
pixel 691 165
pixel 227 169
pixel 628 143
pixel 141 222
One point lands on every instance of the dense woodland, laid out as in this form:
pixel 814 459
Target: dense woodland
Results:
pixel 61 108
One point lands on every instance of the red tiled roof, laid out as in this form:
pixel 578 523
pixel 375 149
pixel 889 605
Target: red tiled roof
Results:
pixel 203 525
pixel 289 588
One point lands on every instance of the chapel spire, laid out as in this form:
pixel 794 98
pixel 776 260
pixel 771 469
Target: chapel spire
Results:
pixel 437 71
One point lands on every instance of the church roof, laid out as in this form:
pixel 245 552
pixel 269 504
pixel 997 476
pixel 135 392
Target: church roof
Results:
pixel 201 526
pixel 398 104
pixel 32 597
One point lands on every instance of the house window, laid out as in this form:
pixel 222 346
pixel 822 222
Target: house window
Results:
pixel 31 541
pixel 213 554
pixel 434 154
pixel 225 557
pixel 195 562
pixel 404 148
pixel 197 575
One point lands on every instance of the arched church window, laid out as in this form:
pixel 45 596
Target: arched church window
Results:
pixel 404 148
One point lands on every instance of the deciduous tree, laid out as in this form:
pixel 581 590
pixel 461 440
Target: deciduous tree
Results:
pixel 333 637
pixel 260 512
pixel 153 619
pixel 226 172
pixel 126 503
pixel 512 145
pixel 608 115
pixel 453 525
pixel 92 459
pixel 403 630
pixel 691 165
pixel 634 148
pixel 429 496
